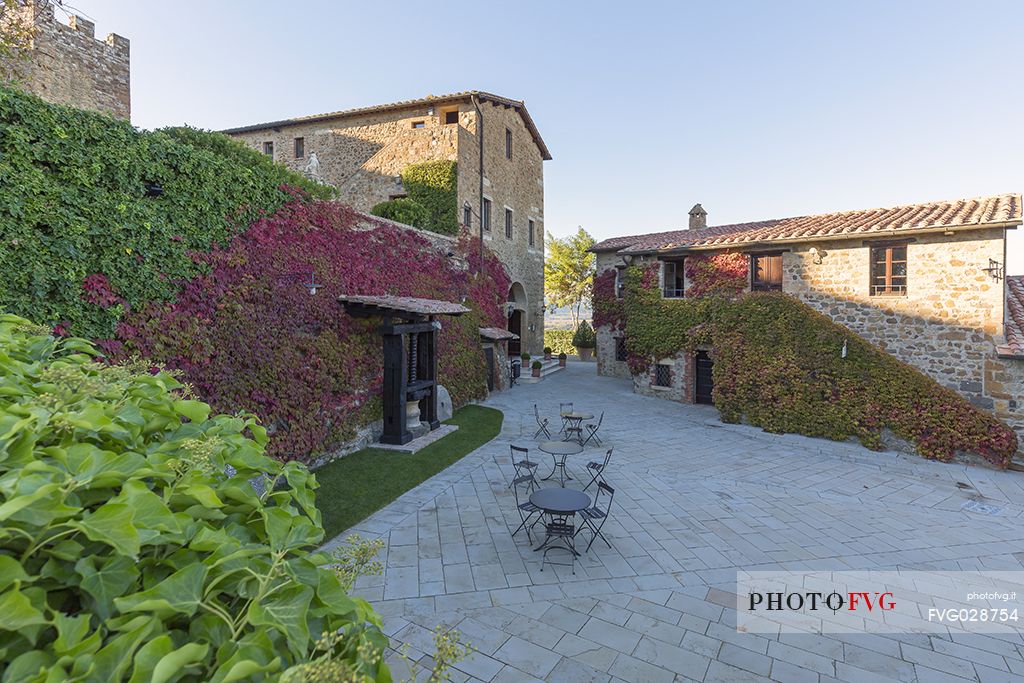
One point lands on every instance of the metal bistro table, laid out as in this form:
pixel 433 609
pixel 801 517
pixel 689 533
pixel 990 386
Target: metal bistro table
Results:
pixel 575 425
pixel 558 450
pixel 561 504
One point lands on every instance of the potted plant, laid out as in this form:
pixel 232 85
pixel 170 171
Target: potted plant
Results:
pixel 547 353
pixel 561 359
pixel 584 340
pixel 536 368
pixel 525 358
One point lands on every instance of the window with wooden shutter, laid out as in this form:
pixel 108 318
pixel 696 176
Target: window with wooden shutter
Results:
pixel 766 272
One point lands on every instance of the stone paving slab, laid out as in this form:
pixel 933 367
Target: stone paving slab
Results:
pixel 695 500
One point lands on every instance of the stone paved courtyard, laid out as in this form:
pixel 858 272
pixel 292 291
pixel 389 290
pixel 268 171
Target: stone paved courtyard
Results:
pixel 695 500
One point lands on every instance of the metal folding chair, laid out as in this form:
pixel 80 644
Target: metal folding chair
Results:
pixel 524 464
pixel 560 529
pixel 542 423
pixel 526 509
pixel 592 436
pixel 594 517
pixel 564 408
pixel 597 469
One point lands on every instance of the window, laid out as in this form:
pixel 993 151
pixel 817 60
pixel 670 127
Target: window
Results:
pixel 451 117
pixel 508 223
pixel 673 279
pixel 467 215
pixel 619 284
pixel 300 147
pixel 508 144
pixel 530 228
pixel 268 149
pixel 418 124
pixel 486 214
pixel 662 375
pixel 889 270
pixel 620 349
pixel 766 272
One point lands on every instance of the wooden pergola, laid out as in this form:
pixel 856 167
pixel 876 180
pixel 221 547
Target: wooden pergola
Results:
pixel 409 330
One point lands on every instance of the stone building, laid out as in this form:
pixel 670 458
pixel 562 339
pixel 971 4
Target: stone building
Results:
pixel 499 157
pixel 924 282
pixel 67 65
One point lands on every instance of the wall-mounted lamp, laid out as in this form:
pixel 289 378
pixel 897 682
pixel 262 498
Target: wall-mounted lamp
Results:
pixel 510 308
pixel 312 285
pixel 817 254
pixel 430 111
pixel 154 189
pixel 627 259
pixel 995 269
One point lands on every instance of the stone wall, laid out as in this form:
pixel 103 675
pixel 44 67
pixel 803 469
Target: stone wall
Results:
pixel 363 156
pixel 67 65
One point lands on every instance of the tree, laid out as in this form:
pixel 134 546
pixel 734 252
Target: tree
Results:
pixel 569 271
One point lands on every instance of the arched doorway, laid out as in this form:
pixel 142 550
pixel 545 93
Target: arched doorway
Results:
pixel 516 311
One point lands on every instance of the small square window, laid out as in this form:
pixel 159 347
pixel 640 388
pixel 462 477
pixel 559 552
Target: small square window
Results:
pixel 662 375
pixel 418 124
pixel 531 228
pixel 620 349
pixel 268 149
pixel 508 223
pixel 451 117
pixel 300 147
pixel 508 144
pixel 486 218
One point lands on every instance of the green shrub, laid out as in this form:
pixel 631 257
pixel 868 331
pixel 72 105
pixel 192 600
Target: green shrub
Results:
pixel 779 365
pixel 525 357
pixel 74 207
pixel 559 341
pixel 433 185
pixel 135 543
pixel 404 210
pixel 547 350
pixel 537 365
pixel 584 338
pixel 562 356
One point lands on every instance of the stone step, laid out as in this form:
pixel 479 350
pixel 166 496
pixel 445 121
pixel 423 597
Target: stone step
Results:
pixel 548 367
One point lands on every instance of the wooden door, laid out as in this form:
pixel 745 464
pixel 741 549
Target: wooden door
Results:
pixel 703 378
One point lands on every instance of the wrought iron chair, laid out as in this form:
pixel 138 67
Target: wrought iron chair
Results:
pixel 564 408
pixel 597 469
pixel 542 423
pixel 526 509
pixel 560 529
pixel 525 465
pixel 594 517
pixel 592 436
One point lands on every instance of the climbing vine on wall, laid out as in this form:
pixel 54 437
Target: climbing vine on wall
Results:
pixel 779 366
pixel 723 274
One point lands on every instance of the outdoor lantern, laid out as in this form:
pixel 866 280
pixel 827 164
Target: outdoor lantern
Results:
pixel 154 190
pixel 312 284
pixel 995 269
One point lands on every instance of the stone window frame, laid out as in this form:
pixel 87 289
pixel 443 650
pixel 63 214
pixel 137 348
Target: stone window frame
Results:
pixel 485 213
pixel 510 218
pixel 531 228
pixel 268 148
pixel 300 147
pixel 662 371
pixel 417 125
pixel 447 113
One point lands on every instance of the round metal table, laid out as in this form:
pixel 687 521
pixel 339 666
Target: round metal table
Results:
pixel 558 450
pixel 562 505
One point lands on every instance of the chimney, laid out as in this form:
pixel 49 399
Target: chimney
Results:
pixel 698 217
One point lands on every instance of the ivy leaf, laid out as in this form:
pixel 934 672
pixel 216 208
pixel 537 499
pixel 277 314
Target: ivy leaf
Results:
pixel 181 593
pixel 17 611
pixel 105 579
pixel 10 571
pixel 111 523
pixel 195 411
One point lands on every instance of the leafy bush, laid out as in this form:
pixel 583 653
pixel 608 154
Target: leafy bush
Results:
pixel 537 365
pixel 722 274
pixel 404 210
pixel 559 340
pixel 136 545
pixel 74 207
pixel 547 350
pixel 525 357
pixel 433 185
pixel 562 356
pixel 584 337
pixel 778 364
pixel 248 335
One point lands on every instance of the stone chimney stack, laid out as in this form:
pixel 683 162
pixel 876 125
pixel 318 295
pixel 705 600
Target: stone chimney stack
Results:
pixel 698 217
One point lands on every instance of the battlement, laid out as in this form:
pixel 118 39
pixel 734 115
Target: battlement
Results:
pixel 68 65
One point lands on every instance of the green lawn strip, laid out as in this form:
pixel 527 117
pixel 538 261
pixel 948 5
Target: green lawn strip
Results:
pixel 358 485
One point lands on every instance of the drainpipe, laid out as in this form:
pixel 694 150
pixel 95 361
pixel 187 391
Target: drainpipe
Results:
pixel 480 198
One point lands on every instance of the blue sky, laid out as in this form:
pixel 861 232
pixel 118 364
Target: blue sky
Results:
pixel 754 109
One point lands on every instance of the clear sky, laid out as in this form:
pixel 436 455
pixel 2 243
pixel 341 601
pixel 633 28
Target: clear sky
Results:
pixel 754 109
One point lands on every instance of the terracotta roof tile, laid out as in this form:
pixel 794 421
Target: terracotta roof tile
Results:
pixel 518 105
pixel 945 214
pixel 1014 346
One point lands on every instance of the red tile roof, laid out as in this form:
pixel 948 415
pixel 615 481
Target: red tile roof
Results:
pixel 1014 346
pixel 959 213
pixel 518 105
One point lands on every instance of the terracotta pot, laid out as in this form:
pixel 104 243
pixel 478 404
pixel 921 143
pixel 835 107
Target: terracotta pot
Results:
pixel 584 354
pixel 535 372
pixel 561 362
pixel 547 356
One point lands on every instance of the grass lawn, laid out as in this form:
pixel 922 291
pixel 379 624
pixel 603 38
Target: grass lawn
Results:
pixel 358 485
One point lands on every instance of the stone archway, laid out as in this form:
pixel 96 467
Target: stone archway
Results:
pixel 517 323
